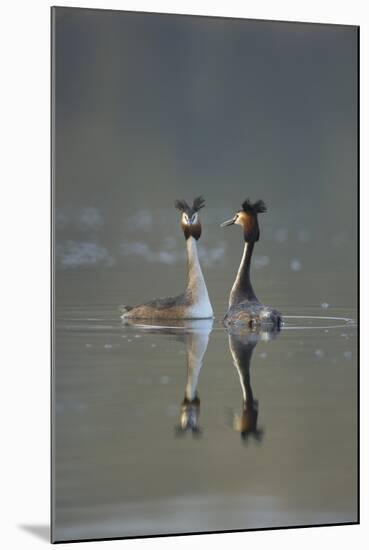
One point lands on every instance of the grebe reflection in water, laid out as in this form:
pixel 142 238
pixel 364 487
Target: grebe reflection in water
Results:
pixel 195 335
pixel 196 345
pixel 241 345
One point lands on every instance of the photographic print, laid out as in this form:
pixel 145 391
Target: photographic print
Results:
pixel 205 220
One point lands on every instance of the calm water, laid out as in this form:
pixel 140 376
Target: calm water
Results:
pixel 127 462
pixel 153 108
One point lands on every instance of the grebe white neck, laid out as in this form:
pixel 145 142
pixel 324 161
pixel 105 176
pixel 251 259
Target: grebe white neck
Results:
pixel 196 287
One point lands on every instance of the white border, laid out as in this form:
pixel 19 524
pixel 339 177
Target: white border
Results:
pixel 24 218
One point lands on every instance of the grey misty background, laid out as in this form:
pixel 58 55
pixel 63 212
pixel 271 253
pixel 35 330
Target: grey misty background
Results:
pixel 153 107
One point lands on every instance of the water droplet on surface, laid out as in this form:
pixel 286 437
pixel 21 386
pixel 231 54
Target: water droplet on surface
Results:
pixel 263 355
pixel 153 345
pixel 347 354
pixel 295 265
pixel 108 346
pixel 324 305
pixel 319 353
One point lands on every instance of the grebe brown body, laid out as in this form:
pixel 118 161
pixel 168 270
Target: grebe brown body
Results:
pixel 244 307
pixel 194 302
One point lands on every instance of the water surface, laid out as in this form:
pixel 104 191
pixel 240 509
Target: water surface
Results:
pixel 124 464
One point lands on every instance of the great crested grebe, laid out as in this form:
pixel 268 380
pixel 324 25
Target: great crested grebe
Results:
pixel 194 302
pixel 244 307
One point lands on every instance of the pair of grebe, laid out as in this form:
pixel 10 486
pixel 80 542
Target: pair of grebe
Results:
pixel 244 308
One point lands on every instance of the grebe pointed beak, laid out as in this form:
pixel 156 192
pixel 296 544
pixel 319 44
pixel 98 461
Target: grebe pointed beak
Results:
pixel 228 222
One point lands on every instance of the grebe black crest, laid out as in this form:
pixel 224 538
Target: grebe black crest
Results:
pixel 244 307
pixel 190 221
pixel 194 302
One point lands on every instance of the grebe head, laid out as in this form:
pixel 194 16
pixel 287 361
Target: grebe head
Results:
pixel 247 218
pixel 190 221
